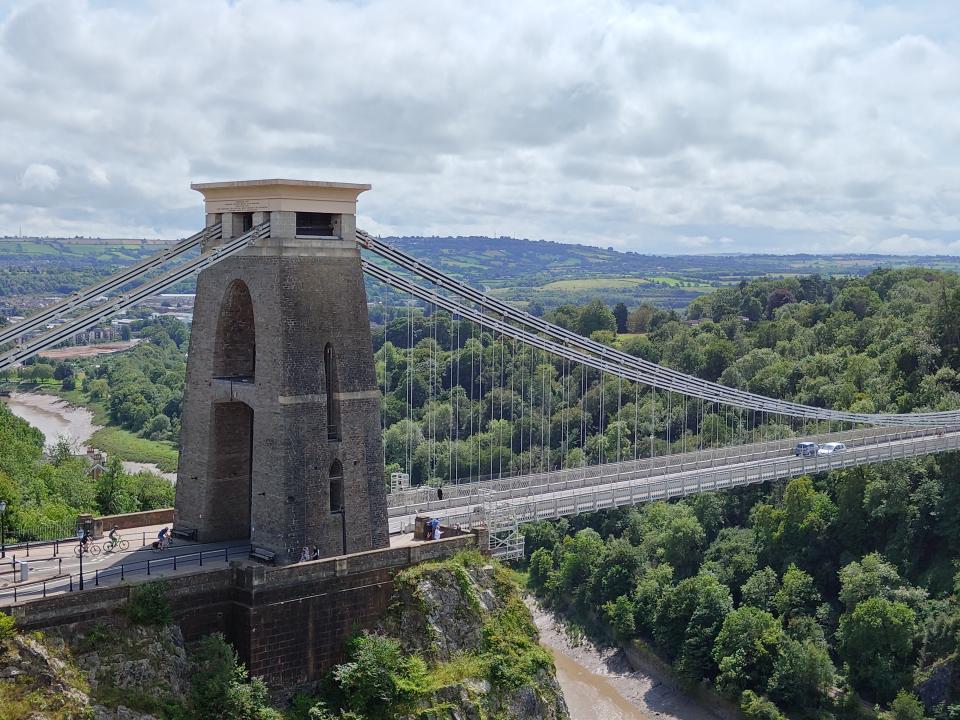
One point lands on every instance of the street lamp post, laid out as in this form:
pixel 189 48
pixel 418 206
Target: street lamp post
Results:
pixel 3 529
pixel 80 543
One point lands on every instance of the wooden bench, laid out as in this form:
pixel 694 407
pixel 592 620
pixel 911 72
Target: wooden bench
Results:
pixel 263 555
pixel 185 533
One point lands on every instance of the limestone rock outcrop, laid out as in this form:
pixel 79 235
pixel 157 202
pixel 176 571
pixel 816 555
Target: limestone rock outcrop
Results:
pixel 104 671
pixel 449 611
pixel 38 682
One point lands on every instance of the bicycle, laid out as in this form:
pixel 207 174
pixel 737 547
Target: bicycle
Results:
pixel 89 549
pixel 120 544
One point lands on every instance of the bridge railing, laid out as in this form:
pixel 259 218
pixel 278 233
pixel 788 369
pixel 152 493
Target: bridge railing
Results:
pixel 570 497
pixel 409 501
pixel 70 582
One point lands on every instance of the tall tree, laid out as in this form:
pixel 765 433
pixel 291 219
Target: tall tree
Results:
pixel 876 640
pixel 620 315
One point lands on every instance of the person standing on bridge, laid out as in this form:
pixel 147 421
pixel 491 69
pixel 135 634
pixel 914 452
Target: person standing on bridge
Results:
pixel 440 492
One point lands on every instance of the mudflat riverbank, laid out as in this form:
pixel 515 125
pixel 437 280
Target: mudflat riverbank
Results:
pixel 55 418
pixel 599 683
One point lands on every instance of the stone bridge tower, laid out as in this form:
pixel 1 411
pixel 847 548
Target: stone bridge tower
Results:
pixel 280 441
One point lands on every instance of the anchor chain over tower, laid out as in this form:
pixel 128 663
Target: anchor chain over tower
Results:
pixel 280 439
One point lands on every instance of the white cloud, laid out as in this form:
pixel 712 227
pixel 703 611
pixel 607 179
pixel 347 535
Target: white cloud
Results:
pixel 814 125
pixel 98 176
pixel 41 177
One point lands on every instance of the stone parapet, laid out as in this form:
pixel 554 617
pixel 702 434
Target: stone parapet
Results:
pixel 161 516
pixel 289 624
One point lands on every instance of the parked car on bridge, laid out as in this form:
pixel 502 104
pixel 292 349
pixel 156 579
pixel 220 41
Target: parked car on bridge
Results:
pixel 805 449
pixel 833 447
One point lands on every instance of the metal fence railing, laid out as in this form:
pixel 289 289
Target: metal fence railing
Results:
pixel 70 582
pixel 417 499
pixel 39 532
pixel 572 496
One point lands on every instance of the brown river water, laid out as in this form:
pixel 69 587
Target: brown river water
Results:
pixel 56 418
pixel 599 684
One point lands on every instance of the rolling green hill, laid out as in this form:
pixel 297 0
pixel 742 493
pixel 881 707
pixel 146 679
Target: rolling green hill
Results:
pixel 547 273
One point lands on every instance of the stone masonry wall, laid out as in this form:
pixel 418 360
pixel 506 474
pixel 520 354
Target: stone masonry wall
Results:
pixel 138 519
pixel 289 624
pixel 302 295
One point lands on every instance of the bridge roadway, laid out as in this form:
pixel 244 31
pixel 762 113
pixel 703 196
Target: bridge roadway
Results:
pixel 570 492
pixel 55 567
pixel 58 564
pixel 523 499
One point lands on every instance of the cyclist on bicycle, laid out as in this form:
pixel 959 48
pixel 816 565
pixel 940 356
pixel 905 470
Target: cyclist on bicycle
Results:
pixel 85 540
pixel 114 540
pixel 163 539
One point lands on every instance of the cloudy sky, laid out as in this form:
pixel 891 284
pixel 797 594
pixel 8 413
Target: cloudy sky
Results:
pixel 799 125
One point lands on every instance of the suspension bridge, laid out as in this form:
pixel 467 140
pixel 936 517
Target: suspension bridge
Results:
pixel 286 401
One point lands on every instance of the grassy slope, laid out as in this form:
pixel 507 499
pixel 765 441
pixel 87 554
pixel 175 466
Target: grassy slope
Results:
pixel 115 440
pixel 592 283
pixel 123 443
pixel 127 446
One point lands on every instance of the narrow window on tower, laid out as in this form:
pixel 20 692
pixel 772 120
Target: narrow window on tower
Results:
pixel 336 487
pixel 333 391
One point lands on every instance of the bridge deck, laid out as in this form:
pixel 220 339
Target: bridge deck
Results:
pixel 55 567
pixel 571 492
pixel 522 499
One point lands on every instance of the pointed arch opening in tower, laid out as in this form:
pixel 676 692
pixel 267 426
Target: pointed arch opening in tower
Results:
pixel 235 351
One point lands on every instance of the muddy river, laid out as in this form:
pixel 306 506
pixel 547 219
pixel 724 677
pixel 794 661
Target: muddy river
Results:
pixel 56 418
pixel 599 684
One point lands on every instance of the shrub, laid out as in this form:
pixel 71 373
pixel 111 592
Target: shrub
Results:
pixel 906 706
pixel 221 688
pixel 541 565
pixel 756 707
pixel 148 604
pixel 379 679
pixel 619 614
pixel 7 628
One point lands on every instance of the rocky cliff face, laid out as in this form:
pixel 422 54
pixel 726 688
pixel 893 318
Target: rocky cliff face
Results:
pixel 37 682
pixel 464 620
pixel 133 671
pixel 113 671
pixel 465 613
